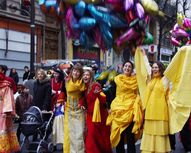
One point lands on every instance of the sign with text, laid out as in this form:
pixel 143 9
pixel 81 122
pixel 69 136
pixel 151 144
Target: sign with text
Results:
pixel 79 52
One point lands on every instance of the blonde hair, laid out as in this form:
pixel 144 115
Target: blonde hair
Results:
pixel 42 72
pixel 91 74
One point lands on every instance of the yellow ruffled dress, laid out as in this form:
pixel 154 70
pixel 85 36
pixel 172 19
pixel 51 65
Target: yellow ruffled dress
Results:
pixel 156 126
pixel 154 94
pixel 125 108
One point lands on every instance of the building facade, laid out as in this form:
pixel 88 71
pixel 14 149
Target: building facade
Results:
pixel 15 34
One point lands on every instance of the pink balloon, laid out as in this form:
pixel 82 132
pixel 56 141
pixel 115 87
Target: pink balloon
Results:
pixel 175 41
pixel 127 36
pixel 114 5
pixel 113 1
pixel 140 10
pixel 70 20
pixel 179 33
pixel 128 4
pixel 187 23
pixel 176 26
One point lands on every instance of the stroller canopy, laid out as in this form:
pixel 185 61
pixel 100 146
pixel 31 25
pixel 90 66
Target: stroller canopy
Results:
pixel 33 115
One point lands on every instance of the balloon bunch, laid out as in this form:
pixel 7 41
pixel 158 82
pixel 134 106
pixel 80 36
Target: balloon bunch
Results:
pixel 181 32
pixel 108 23
pixel 93 24
pixel 137 22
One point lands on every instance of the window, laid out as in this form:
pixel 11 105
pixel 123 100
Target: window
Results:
pixel 165 58
pixel 25 8
pixel 3 4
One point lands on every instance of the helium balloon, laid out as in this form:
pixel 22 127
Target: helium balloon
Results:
pixel 148 38
pixel 99 16
pixel 80 8
pixel 128 35
pixel 176 42
pixel 112 75
pixel 139 10
pixel 128 4
pixel 106 35
pixel 87 23
pixel 131 14
pixel 134 22
pixel 176 26
pixel 103 75
pixel 150 6
pixel 179 33
pixel 85 40
pixel 103 9
pixel 51 3
pixel 113 1
pixel 116 21
pixel 70 22
pixel 187 23
pixel 41 2
pixel 180 18
pixel 86 1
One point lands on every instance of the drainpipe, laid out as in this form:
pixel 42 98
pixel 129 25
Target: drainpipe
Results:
pixel 32 43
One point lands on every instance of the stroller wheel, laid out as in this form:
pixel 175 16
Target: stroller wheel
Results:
pixel 50 147
pixel 40 149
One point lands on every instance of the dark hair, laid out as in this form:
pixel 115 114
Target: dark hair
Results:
pixel 26 67
pixel 61 74
pixel 130 63
pixel 4 68
pixel 161 67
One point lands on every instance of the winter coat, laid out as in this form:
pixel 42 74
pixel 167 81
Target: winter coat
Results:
pixel 42 94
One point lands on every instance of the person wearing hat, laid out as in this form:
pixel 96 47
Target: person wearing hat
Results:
pixel 8 138
pixel 57 84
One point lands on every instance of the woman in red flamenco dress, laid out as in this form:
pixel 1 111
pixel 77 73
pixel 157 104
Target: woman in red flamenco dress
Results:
pixel 98 134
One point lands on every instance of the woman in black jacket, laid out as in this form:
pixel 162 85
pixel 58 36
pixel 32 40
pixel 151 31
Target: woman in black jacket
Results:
pixel 42 91
pixel 14 75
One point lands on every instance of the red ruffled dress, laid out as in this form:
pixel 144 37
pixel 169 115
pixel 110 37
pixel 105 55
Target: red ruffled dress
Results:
pixel 98 134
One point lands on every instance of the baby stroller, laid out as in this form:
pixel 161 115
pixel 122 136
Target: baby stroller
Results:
pixel 35 122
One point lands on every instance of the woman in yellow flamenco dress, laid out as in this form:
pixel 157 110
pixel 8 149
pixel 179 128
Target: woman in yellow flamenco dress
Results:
pixel 165 111
pixel 74 119
pixel 156 120
pixel 125 113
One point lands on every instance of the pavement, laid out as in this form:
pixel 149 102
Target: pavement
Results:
pixel 179 147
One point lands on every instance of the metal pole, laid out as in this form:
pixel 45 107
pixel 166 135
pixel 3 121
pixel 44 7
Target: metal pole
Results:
pixel 32 43
pixel 62 39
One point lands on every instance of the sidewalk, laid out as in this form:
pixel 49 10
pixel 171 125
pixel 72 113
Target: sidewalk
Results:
pixel 179 147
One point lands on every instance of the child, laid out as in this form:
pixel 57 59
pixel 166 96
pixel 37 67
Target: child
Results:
pixel 23 102
pixel 58 123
